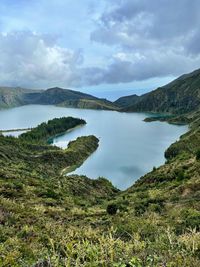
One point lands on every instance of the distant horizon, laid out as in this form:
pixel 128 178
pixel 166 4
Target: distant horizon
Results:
pixel 110 95
pixel 108 91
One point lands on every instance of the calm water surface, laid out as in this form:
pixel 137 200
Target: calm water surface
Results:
pixel 128 146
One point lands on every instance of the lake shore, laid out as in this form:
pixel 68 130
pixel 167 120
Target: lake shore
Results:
pixel 16 130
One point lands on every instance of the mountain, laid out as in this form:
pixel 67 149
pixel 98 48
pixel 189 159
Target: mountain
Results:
pixel 180 96
pixel 126 101
pixel 55 96
pixel 12 97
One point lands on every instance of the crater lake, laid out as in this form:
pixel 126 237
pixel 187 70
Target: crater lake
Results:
pixel 128 147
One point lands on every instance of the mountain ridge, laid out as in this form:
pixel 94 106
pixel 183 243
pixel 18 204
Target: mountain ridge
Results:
pixel 180 96
pixel 16 96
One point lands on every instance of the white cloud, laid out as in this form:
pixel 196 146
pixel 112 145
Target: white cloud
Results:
pixel 122 41
pixel 33 60
pixel 152 38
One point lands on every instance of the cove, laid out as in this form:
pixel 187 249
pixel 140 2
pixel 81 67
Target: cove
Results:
pixel 128 147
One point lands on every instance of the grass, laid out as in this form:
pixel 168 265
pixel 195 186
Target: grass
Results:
pixel 49 219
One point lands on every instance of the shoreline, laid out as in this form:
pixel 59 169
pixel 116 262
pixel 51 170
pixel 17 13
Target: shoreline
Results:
pixel 16 130
pixel 50 139
pixel 69 169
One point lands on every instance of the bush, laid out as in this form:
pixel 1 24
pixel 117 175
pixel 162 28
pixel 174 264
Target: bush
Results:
pixel 190 220
pixel 112 209
pixel 198 155
pixel 180 175
pixel 140 208
pixel 155 208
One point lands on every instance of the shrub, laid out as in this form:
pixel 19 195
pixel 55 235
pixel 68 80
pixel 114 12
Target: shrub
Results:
pixel 198 155
pixel 140 208
pixel 155 208
pixel 180 175
pixel 112 209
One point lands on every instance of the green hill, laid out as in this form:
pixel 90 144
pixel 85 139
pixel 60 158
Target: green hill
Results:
pixel 12 97
pixel 50 219
pixel 125 101
pixel 178 97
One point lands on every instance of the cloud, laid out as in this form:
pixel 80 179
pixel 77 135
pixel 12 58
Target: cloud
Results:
pixel 158 21
pixel 33 60
pixel 121 41
pixel 127 68
pixel 152 39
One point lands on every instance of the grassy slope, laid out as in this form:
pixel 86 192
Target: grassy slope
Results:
pixel 89 104
pixel 50 218
pixel 37 201
pixel 12 97
pixel 63 220
pixel 178 97
pixel 126 101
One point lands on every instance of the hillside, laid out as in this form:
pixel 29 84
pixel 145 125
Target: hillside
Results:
pixel 49 219
pixel 178 97
pixel 13 97
pixel 37 200
pixel 89 104
pixel 126 101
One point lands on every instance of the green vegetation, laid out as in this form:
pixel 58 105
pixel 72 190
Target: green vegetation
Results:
pixel 49 219
pixel 198 154
pixel 14 97
pixel 45 131
pixel 112 209
pixel 89 104
pixel 126 101
pixel 178 97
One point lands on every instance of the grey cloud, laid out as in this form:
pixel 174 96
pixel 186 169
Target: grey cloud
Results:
pixel 33 60
pixel 163 33
pixel 167 18
pixel 158 21
pixel 192 45
pixel 127 71
pixel 148 39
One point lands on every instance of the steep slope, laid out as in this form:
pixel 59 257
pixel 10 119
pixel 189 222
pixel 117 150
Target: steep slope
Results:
pixel 89 104
pixel 68 98
pixel 37 200
pixel 126 101
pixel 48 219
pixel 54 96
pixel 12 97
pixel 178 97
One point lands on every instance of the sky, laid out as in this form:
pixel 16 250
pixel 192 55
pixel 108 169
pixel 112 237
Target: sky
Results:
pixel 103 47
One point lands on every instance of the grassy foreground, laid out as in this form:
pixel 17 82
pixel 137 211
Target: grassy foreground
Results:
pixel 48 219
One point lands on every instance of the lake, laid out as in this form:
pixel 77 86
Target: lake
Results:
pixel 128 147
